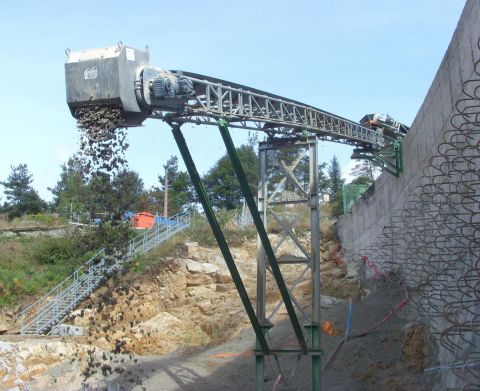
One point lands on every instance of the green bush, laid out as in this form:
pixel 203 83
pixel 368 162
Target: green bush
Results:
pixel 55 250
pixel 107 234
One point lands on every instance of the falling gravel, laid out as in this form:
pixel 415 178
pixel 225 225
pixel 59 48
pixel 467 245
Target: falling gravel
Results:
pixel 102 138
pixel 102 148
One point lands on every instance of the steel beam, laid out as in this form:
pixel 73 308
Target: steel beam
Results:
pixel 217 231
pixel 251 108
pixel 261 265
pixel 389 158
pixel 313 257
pixel 262 233
pixel 261 271
pixel 315 264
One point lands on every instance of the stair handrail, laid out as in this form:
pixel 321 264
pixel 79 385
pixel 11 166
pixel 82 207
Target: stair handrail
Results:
pixel 81 274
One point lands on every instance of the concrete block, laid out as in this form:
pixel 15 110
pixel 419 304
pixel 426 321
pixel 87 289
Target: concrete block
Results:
pixel 65 329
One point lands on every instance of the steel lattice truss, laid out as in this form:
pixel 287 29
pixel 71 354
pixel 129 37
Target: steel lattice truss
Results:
pixel 247 108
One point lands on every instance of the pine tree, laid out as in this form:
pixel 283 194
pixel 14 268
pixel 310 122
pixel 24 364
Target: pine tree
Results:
pixel 69 192
pixel 323 181
pixel 21 196
pixel 335 176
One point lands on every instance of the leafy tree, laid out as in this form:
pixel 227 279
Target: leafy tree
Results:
pixel 99 195
pixel 364 172
pixel 127 187
pixel 21 196
pixel 115 195
pixel 180 193
pixel 151 200
pixel 221 182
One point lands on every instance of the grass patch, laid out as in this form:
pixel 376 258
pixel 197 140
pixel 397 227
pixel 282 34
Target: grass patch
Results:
pixel 33 265
pixel 151 260
pixel 27 221
pixel 28 268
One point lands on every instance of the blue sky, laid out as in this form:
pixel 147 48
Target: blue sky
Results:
pixel 348 57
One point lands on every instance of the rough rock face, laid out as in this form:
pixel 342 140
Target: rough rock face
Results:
pixel 188 300
pixel 183 301
pixel 176 308
pixel 24 361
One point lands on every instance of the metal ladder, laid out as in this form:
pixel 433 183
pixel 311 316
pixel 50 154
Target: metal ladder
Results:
pixel 54 307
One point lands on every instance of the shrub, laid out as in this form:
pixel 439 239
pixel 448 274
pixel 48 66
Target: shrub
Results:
pixel 55 250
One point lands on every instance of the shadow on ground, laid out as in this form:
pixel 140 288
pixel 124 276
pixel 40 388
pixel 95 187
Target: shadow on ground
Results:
pixel 372 362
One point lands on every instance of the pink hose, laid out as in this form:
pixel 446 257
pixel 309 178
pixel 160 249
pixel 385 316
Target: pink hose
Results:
pixel 392 312
pixel 376 271
pixel 277 382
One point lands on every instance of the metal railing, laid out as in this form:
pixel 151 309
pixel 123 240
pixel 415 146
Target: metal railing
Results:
pixel 55 305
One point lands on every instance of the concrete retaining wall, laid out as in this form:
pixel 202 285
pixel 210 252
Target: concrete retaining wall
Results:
pixel 425 224
pixel 374 210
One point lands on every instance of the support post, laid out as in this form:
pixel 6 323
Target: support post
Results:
pixel 261 266
pixel 217 231
pixel 315 264
pixel 262 233
pixel 261 270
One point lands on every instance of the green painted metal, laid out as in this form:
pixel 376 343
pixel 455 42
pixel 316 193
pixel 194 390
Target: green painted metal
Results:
pixel 262 233
pixel 351 193
pixel 388 159
pixel 316 359
pixel 399 154
pixel 260 362
pixel 217 231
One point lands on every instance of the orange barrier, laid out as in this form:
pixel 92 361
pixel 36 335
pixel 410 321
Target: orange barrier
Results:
pixel 327 326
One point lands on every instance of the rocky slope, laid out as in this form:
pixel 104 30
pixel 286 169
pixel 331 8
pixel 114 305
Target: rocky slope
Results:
pixel 185 301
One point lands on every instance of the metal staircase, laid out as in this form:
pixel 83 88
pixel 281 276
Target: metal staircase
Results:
pixel 55 306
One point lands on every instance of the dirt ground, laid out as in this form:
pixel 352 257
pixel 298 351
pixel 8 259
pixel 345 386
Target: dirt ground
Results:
pixel 183 328
pixel 373 362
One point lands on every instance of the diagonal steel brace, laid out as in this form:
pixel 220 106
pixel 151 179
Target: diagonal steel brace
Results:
pixel 262 233
pixel 217 231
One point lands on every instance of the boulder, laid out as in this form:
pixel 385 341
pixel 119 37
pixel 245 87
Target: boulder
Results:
pixel 194 266
pixel 209 268
pixel 329 301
